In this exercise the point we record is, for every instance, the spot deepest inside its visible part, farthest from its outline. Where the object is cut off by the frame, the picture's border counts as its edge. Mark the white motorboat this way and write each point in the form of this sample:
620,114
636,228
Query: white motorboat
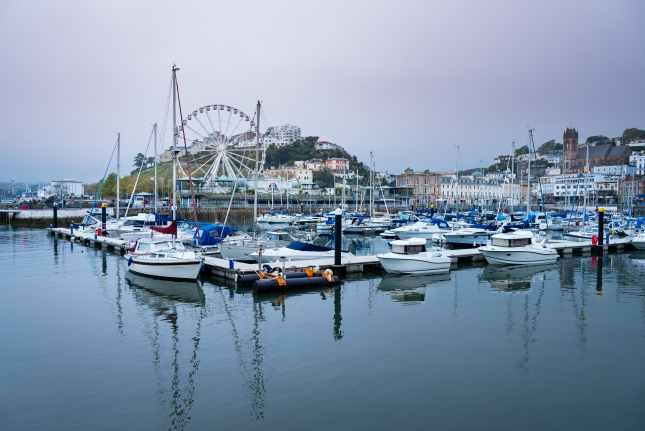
518,248
410,256
296,251
242,247
275,221
184,291
638,241
467,237
164,258
418,230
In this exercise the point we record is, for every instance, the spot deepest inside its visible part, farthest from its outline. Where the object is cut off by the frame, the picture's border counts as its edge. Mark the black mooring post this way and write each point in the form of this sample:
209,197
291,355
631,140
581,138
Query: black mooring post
599,275
338,236
601,226
103,217
598,248
55,214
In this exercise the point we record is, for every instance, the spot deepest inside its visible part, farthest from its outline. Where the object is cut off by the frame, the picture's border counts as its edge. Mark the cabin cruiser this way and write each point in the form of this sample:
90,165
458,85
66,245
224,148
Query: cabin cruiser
164,258
518,248
409,256
467,237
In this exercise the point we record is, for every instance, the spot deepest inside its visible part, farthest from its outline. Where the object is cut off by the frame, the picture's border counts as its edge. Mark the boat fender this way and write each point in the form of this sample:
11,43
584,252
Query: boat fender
309,271
328,275
281,281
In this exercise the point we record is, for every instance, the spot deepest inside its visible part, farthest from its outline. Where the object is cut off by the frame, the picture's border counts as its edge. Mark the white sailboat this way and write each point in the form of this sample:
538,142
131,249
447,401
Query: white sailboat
164,257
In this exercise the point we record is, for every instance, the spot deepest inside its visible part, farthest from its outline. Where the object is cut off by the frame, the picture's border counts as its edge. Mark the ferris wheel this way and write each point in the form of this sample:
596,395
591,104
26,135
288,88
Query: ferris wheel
221,141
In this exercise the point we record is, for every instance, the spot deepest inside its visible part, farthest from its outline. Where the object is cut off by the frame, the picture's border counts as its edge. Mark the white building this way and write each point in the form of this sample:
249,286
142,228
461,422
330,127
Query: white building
327,146
282,135
297,174
615,170
67,188
477,191
637,160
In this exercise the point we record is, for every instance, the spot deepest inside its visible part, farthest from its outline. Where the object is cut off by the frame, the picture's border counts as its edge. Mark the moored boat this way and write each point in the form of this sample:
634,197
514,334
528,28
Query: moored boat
410,256
518,248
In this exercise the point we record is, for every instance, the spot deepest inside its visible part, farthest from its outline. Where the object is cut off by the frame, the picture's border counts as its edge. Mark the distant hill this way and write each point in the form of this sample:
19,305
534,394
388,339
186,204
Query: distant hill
633,134
305,149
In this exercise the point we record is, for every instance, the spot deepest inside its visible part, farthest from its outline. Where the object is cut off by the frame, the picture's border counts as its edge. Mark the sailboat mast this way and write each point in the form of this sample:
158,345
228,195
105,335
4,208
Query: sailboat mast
512,175
371,184
174,142
528,177
154,129
118,174
257,162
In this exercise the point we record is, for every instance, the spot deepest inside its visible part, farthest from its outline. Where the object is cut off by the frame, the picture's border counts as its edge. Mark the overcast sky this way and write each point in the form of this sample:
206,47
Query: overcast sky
409,80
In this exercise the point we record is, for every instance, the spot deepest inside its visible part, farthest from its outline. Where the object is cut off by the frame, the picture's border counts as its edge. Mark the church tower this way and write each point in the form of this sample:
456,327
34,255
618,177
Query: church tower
570,149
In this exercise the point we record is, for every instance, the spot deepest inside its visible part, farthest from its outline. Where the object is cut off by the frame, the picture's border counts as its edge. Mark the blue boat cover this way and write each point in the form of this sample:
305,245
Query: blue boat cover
305,246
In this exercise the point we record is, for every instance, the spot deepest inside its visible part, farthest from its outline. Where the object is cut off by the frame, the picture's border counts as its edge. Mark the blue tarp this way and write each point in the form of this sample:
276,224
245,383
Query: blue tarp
211,234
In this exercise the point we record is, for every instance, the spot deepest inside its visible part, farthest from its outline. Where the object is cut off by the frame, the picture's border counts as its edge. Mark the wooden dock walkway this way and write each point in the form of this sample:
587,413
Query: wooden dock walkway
87,238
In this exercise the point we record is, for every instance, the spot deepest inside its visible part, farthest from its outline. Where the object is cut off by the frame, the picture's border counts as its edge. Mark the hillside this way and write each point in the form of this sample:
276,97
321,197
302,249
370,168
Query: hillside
305,149
300,150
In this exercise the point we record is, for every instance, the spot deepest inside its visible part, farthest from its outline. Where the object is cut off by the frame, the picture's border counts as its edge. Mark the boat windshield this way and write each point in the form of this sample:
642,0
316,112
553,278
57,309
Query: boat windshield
518,242
408,249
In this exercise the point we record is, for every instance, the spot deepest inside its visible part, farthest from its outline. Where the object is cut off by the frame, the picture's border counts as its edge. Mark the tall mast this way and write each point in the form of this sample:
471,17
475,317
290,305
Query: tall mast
174,141
154,129
528,177
512,174
257,162
371,184
356,194
118,174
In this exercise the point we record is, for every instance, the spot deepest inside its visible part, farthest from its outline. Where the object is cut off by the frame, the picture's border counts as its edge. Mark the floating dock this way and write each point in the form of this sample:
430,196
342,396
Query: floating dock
233,270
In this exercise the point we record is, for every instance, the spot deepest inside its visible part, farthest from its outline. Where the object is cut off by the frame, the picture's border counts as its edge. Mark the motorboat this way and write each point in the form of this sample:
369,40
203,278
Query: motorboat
296,251
518,248
275,221
161,257
467,237
241,247
418,230
410,256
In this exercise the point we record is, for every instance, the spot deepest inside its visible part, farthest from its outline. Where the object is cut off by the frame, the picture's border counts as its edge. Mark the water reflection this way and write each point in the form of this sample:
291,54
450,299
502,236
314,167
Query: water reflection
165,298
513,278
409,288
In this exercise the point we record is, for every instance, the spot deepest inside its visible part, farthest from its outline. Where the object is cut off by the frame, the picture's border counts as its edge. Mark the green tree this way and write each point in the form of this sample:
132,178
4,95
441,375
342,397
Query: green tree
633,134
550,147
324,178
522,150
139,160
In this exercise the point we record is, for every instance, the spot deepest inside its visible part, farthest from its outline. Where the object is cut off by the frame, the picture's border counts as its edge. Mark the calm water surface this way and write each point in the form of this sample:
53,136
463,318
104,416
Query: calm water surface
85,345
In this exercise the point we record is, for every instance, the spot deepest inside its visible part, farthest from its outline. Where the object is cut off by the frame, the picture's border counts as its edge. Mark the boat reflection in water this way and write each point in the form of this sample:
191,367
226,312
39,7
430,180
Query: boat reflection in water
174,304
409,288
184,291
512,278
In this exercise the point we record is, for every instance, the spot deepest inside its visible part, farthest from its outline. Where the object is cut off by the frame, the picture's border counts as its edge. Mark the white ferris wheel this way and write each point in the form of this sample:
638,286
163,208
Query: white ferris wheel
221,141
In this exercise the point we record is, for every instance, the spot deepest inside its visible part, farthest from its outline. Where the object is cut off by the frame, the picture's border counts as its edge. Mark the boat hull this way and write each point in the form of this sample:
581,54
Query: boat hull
394,264
639,244
518,257
166,269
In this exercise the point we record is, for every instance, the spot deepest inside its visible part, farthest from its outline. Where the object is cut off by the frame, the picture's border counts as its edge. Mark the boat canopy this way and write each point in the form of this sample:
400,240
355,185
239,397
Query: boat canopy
512,239
409,246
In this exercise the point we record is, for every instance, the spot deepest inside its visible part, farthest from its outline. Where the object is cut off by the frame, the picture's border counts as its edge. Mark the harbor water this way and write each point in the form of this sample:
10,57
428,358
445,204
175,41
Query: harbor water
86,345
